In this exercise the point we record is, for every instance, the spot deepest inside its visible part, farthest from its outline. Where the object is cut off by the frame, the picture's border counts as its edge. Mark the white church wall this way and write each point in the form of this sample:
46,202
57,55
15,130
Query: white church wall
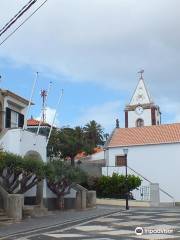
33,143
11,142
158,163
106,155
146,116
31,192
97,156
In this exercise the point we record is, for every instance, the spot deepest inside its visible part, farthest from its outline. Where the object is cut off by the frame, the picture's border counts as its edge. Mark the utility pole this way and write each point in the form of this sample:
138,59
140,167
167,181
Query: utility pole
44,96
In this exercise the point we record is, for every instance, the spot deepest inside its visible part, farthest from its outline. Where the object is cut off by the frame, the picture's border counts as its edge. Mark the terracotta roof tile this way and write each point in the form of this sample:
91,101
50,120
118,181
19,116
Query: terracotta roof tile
167,133
83,154
34,122
98,149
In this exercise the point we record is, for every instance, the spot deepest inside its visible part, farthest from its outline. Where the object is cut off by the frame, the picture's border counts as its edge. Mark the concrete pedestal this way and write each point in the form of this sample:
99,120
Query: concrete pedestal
15,203
81,200
91,199
81,197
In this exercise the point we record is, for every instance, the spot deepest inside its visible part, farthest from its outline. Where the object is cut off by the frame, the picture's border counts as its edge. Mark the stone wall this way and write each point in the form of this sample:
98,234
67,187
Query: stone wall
93,168
3,198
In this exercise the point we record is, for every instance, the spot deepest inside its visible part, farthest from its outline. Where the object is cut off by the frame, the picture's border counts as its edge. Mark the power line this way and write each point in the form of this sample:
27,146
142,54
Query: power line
17,16
22,23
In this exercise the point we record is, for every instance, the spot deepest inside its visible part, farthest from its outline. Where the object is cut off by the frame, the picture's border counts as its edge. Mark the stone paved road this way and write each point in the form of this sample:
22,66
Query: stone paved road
156,224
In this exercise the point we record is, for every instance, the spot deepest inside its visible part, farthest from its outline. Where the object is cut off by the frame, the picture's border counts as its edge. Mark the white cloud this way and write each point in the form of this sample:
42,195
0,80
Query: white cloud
50,113
170,109
104,41
105,114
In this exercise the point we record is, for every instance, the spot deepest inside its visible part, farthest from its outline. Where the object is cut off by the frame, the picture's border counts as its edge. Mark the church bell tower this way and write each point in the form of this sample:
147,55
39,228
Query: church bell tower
141,111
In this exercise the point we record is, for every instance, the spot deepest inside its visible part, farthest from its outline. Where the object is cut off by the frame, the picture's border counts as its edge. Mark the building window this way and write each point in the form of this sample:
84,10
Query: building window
14,119
139,122
120,161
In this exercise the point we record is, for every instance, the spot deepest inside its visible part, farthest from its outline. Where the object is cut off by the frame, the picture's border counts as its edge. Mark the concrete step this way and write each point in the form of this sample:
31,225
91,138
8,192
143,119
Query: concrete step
4,219
2,213
34,211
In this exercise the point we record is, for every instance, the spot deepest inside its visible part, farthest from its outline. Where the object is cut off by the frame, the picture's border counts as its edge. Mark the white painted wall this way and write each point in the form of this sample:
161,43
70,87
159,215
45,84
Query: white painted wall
158,163
97,156
140,90
15,105
11,142
133,116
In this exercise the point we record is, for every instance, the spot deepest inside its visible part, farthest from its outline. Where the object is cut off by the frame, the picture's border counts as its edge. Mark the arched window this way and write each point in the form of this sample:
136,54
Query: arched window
139,122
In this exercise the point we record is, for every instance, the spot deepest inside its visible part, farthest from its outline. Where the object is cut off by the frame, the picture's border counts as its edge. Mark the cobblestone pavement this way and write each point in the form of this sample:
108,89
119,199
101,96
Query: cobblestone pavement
154,223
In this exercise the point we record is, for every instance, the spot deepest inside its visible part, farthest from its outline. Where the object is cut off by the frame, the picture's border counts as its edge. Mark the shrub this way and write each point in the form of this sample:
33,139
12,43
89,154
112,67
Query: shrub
113,187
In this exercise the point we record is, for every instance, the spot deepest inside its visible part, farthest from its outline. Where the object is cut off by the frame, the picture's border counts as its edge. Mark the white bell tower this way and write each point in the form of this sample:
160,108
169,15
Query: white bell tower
141,111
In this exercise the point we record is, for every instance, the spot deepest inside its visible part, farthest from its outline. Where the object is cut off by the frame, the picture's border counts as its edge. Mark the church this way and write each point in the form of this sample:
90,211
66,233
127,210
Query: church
153,148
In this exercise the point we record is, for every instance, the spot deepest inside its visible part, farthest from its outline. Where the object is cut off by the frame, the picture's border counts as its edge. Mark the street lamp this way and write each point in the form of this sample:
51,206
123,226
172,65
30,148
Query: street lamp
125,151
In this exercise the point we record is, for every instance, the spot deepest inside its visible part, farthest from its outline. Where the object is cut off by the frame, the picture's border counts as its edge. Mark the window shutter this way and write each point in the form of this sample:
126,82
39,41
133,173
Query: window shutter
8,117
20,120
120,161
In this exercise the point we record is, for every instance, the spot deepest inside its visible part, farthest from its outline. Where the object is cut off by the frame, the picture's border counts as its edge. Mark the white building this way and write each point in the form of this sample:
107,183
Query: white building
12,136
25,142
153,149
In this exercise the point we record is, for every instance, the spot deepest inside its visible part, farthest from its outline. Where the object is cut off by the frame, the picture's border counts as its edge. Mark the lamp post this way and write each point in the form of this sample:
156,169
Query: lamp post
125,150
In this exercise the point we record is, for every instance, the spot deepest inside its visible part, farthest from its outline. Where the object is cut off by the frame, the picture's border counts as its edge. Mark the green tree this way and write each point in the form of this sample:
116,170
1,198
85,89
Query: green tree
19,174
68,142
61,177
54,145
65,142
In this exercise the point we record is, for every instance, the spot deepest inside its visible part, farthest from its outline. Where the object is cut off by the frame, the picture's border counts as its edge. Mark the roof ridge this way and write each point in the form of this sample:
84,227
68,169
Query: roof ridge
109,139
157,134
153,126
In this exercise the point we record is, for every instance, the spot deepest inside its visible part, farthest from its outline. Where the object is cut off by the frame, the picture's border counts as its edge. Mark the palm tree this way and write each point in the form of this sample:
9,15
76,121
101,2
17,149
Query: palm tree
94,133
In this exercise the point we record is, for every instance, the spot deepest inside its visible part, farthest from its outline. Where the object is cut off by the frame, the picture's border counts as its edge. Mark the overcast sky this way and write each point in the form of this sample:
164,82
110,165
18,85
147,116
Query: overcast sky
94,49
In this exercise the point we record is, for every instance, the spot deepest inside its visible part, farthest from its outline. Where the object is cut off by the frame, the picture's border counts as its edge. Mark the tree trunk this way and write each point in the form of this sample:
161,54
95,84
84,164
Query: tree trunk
60,202
39,193
72,162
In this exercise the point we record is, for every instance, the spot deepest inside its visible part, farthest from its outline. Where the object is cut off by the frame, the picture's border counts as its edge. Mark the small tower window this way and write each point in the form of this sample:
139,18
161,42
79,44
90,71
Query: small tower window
139,122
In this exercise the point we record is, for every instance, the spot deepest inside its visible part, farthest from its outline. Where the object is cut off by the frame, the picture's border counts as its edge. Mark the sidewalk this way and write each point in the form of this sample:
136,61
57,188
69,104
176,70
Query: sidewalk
54,218
122,202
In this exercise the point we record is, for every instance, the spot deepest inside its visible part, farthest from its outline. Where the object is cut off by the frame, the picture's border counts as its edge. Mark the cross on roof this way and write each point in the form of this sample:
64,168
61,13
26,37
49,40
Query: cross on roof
141,73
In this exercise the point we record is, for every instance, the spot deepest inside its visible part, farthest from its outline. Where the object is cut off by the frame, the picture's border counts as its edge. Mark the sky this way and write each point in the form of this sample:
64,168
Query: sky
93,50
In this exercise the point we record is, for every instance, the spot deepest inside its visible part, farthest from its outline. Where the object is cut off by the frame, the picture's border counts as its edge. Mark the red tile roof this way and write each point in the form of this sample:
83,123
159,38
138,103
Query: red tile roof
98,149
34,122
80,155
83,154
167,133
